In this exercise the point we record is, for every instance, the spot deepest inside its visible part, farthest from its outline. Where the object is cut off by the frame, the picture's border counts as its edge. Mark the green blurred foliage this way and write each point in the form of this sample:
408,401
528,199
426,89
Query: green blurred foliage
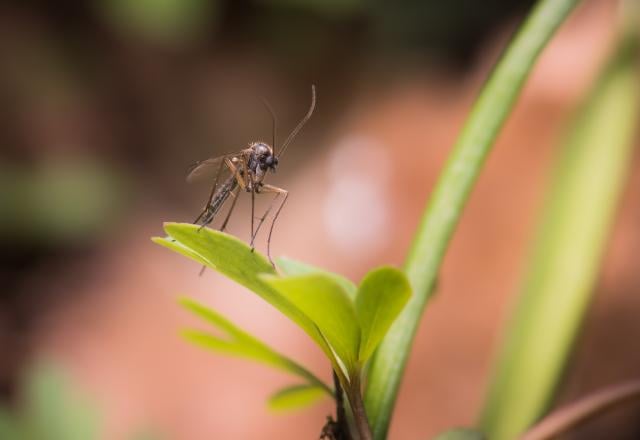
60,203
165,21
52,409
332,8
590,175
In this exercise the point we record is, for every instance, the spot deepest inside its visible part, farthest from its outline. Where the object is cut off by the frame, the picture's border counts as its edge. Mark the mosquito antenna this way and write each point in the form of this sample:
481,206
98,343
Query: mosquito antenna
301,123
274,122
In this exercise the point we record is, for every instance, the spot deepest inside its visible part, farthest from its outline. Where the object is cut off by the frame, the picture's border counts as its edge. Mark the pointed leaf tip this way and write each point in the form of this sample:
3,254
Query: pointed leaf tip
295,397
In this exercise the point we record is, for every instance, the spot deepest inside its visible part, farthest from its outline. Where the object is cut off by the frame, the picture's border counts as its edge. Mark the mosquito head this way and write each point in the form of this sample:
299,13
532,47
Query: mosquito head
263,157
271,163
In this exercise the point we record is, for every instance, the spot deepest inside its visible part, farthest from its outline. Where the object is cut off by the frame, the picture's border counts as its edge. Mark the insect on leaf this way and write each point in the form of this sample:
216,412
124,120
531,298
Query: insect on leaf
381,297
234,259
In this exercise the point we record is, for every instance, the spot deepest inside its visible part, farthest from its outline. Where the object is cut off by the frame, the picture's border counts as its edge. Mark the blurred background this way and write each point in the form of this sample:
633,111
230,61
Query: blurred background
105,104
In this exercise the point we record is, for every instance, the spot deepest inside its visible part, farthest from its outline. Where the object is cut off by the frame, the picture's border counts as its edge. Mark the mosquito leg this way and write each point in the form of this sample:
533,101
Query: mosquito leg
195,222
275,189
206,207
233,205
253,209
251,186
236,172
265,215
273,223
213,191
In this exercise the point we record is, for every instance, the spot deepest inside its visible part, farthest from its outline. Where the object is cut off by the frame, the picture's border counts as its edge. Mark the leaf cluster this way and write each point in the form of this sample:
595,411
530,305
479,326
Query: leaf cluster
346,321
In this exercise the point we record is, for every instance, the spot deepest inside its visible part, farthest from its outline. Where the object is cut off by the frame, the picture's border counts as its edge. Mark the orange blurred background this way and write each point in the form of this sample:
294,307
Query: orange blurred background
106,104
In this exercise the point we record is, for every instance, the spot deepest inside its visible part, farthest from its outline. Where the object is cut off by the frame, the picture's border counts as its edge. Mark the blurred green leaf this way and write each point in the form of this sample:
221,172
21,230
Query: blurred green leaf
333,8
59,202
52,408
55,410
240,343
327,304
292,268
578,216
9,425
450,195
234,259
382,295
295,397
461,434
163,21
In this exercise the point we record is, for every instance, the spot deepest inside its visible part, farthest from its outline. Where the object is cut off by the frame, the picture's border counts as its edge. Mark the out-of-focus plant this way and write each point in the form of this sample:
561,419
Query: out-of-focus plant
164,21
58,203
582,200
349,322
450,195
52,407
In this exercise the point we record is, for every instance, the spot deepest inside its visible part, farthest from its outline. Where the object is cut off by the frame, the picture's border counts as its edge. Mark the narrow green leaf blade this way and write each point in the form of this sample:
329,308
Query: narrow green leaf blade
234,259
461,434
381,297
292,268
445,206
295,397
326,303
241,344
565,264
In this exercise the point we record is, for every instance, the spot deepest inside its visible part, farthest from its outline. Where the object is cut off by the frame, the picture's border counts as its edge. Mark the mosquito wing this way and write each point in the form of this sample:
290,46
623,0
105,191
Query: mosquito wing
208,169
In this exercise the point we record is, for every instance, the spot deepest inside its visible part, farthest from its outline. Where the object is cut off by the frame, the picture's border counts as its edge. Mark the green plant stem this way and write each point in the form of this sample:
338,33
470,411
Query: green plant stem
443,212
565,264
341,414
357,406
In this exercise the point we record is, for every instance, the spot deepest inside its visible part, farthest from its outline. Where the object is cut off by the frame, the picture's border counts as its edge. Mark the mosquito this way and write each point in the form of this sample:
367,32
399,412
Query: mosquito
247,170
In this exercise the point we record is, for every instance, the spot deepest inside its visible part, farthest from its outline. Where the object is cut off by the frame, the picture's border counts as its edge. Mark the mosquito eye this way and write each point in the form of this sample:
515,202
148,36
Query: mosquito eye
269,161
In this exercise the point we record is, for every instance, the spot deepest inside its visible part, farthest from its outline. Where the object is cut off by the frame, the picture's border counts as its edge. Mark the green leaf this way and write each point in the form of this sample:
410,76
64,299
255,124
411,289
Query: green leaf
327,304
382,295
56,410
239,343
9,425
161,21
295,397
489,113
461,434
234,259
582,201
292,268
178,247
